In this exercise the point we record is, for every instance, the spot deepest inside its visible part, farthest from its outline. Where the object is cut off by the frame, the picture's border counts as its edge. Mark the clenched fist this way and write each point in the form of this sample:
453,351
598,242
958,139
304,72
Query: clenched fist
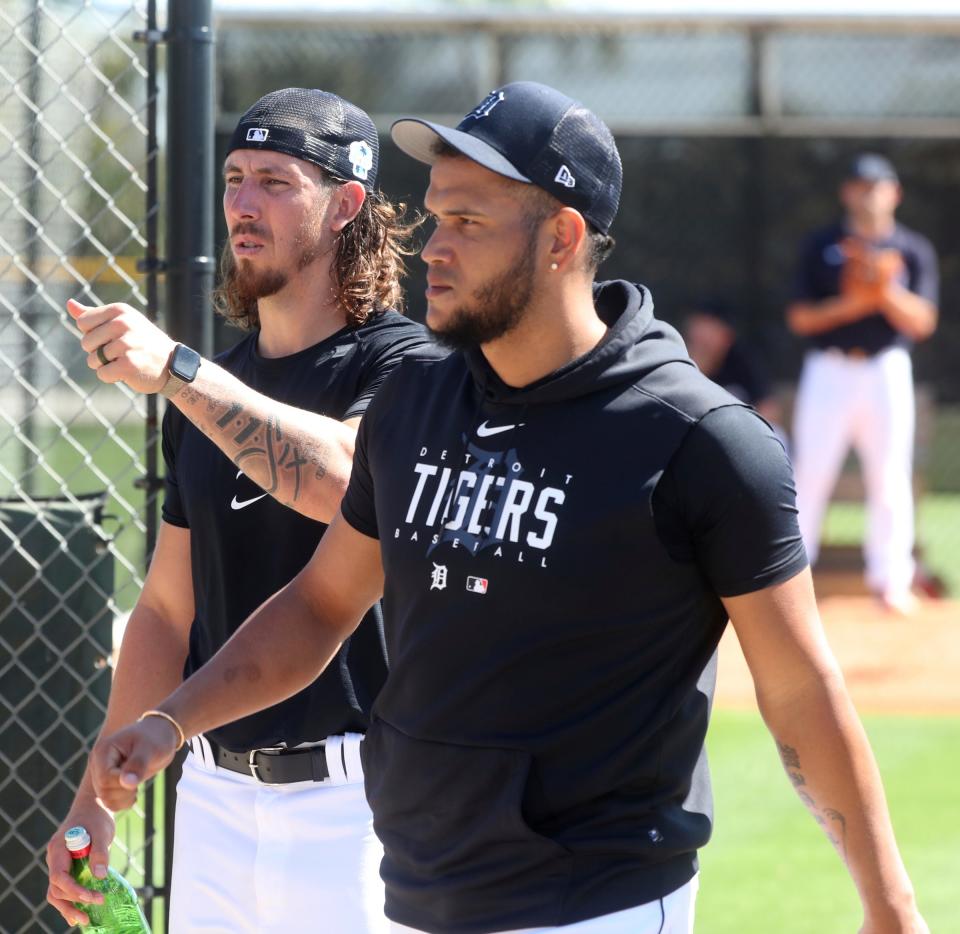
119,763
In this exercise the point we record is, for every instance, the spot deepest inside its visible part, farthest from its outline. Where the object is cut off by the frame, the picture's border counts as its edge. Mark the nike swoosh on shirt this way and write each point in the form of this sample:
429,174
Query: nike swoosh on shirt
484,432
239,504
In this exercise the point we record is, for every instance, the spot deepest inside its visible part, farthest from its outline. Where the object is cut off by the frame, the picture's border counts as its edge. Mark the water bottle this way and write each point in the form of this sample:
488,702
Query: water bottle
120,912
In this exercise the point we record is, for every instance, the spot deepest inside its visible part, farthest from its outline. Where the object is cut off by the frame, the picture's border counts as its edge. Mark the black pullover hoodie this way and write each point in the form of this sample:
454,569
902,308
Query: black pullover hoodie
536,756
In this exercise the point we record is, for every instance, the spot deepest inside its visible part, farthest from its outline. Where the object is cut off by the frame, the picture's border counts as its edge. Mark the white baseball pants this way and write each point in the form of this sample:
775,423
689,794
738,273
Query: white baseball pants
867,403
672,914
264,859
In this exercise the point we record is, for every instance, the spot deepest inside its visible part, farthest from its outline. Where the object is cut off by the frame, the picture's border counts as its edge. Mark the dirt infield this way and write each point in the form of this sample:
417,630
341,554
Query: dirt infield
892,665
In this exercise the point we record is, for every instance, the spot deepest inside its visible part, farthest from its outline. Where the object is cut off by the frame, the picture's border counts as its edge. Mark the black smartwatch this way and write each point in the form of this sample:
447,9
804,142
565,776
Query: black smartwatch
183,366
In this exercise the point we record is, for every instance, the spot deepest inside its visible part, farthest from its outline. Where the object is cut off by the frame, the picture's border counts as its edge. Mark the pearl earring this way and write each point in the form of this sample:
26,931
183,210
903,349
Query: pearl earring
554,267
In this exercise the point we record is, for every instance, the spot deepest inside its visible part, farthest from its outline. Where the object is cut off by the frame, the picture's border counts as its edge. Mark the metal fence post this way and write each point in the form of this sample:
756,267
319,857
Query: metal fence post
190,189
189,262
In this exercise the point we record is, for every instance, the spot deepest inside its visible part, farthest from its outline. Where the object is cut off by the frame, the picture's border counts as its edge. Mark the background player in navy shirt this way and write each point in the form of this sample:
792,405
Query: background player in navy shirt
560,515
258,448
867,289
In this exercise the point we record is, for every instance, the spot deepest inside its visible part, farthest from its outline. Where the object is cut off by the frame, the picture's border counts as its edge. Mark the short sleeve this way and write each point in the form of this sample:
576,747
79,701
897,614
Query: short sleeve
358,506
383,350
172,433
727,501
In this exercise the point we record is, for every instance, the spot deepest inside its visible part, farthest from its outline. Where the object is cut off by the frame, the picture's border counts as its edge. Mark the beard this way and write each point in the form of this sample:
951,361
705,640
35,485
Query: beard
497,308
249,284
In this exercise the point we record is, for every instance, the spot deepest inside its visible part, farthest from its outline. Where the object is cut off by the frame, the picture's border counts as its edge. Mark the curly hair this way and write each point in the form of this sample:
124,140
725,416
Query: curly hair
368,263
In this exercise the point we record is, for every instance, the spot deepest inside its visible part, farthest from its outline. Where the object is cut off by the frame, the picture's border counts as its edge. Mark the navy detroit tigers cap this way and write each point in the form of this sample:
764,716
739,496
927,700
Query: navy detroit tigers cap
316,126
532,133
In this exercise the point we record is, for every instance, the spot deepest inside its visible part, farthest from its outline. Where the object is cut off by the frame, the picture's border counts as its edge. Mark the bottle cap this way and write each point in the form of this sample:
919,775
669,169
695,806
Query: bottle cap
76,838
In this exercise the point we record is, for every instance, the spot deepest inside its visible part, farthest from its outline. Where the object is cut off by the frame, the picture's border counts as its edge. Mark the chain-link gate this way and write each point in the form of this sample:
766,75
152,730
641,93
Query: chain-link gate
77,218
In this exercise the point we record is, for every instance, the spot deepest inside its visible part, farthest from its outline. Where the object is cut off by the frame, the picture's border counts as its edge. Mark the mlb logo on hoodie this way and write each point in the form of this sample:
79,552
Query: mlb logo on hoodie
477,584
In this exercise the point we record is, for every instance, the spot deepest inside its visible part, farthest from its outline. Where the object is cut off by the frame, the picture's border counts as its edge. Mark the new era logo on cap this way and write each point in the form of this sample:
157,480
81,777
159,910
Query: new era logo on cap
257,134
565,178
532,133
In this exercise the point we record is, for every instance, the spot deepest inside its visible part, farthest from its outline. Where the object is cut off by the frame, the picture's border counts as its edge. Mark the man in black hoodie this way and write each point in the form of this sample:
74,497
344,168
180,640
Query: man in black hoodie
561,515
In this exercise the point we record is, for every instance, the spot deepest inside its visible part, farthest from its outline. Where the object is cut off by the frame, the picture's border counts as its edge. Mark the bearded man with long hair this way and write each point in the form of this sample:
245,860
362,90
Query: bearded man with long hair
258,444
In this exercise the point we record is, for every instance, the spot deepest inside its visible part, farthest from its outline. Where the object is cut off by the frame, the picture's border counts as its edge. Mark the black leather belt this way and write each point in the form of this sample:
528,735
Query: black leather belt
275,765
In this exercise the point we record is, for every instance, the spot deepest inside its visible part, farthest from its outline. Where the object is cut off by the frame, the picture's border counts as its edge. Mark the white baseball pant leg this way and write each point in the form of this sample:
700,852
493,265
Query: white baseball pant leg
265,859
883,440
868,403
825,410
672,914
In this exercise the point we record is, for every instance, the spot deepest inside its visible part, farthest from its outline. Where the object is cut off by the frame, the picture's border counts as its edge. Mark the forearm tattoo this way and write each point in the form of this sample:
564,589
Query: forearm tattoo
265,452
834,824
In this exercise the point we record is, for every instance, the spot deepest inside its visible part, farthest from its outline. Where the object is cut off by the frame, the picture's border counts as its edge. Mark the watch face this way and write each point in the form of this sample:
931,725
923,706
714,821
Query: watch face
185,363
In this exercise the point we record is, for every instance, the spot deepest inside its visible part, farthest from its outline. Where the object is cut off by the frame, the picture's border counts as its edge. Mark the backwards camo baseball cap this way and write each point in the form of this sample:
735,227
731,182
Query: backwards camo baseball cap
316,126
532,133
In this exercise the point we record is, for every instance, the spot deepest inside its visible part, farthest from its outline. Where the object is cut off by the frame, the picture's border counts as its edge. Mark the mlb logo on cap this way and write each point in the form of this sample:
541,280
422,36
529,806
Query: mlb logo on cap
257,135
477,584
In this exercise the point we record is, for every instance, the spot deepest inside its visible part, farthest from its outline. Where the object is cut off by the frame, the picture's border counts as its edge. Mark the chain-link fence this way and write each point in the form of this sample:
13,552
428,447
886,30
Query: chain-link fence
76,102
733,135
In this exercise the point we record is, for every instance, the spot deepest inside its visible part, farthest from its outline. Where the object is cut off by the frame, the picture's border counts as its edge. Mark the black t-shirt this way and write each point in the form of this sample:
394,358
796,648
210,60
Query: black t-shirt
554,558
818,278
245,545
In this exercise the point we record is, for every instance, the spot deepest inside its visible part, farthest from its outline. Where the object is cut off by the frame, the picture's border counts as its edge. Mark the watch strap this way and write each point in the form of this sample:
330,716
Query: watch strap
172,386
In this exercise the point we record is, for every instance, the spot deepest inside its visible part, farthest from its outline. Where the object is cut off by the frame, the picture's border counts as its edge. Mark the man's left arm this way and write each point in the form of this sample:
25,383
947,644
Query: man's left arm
300,458
804,702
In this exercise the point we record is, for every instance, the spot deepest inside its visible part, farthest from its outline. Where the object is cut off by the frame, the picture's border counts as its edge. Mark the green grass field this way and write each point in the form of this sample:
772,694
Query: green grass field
769,868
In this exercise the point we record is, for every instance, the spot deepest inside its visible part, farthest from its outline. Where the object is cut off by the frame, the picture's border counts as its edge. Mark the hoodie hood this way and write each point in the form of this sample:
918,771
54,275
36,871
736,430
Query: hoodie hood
635,345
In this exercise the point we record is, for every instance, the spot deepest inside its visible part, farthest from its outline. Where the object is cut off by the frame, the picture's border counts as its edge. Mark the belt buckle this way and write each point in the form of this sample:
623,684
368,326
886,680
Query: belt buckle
255,769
